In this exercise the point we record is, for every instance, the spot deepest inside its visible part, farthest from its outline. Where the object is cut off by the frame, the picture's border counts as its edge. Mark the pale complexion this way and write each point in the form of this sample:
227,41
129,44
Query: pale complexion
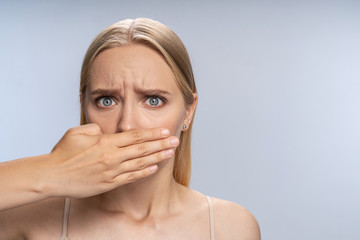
130,88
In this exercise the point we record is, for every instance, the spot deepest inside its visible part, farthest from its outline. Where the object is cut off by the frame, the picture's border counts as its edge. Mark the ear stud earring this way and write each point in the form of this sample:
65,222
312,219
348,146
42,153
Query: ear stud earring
184,127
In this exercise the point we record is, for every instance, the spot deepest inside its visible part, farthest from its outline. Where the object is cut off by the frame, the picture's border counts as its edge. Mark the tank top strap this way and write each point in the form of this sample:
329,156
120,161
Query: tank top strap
211,220
65,219
67,211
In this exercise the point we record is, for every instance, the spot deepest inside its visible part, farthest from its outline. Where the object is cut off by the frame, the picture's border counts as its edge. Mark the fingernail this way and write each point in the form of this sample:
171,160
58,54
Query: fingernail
169,152
153,168
165,132
174,141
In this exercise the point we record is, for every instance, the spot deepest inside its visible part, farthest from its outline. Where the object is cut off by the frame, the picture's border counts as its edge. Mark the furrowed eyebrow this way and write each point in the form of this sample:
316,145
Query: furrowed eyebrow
114,92
106,92
149,92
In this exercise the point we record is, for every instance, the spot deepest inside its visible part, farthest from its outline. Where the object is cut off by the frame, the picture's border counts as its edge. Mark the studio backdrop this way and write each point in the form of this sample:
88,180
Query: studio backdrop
277,128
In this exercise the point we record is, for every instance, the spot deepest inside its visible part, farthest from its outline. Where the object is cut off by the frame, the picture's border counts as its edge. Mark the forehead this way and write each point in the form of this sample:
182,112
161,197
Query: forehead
130,66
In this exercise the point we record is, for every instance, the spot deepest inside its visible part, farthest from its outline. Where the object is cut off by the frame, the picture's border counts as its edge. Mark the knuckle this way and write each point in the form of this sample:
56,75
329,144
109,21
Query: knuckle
106,160
140,163
95,128
131,177
136,136
108,177
71,131
143,147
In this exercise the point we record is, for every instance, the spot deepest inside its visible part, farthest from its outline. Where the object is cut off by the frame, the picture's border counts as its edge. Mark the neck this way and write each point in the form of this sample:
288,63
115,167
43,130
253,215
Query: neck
155,195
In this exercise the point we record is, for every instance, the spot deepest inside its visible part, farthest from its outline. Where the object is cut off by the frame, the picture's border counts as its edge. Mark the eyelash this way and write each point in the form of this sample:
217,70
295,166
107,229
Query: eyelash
164,100
97,100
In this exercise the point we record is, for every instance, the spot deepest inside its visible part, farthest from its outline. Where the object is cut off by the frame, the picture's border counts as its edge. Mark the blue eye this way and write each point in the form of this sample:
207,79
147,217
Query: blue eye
154,101
106,101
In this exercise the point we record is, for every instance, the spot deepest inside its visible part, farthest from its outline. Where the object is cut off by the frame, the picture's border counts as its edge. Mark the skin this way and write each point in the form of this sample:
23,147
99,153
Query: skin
133,88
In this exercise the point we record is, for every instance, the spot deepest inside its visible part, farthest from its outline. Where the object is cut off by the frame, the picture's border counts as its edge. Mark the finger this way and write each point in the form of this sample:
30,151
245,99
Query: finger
135,175
144,149
137,136
91,129
144,162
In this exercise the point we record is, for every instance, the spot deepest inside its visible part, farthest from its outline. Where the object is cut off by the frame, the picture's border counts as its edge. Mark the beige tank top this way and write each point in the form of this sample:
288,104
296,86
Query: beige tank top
67,210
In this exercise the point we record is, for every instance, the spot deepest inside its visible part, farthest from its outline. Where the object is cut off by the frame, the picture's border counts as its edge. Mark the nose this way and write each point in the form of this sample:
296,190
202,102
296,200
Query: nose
128,118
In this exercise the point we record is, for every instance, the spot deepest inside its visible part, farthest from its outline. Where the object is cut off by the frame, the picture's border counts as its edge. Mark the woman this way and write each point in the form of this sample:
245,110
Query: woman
118,176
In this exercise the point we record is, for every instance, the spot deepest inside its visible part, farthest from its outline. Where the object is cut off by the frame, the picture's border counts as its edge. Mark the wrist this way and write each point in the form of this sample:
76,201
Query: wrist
44,184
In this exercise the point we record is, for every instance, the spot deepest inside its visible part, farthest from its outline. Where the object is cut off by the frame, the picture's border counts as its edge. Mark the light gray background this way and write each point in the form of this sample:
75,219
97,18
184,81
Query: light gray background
278,122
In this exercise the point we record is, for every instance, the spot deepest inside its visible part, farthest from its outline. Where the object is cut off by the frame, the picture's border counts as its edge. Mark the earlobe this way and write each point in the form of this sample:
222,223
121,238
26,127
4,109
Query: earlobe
190,111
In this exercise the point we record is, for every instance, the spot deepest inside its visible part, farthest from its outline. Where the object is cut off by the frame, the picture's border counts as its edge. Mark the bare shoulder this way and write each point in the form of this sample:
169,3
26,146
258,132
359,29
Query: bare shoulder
232,221
19,223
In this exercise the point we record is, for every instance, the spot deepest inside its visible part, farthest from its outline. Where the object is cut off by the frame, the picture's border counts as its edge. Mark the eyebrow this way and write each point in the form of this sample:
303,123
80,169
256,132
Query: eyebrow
148,92
106,92
113,92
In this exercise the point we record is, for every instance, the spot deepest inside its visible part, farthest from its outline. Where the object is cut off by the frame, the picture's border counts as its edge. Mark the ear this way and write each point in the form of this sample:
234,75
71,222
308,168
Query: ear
190,111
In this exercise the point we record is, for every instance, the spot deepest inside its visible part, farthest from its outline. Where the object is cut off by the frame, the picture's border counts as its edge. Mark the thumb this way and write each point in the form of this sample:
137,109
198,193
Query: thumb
91,129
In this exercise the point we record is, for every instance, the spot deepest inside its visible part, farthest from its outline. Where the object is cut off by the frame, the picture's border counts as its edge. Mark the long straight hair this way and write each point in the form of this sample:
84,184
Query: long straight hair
160,38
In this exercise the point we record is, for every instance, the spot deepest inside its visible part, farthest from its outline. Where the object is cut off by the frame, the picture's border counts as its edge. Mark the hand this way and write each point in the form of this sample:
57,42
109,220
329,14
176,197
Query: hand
86,162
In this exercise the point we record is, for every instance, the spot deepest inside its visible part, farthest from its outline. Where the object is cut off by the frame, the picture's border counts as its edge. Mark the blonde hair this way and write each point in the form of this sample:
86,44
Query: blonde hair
160,38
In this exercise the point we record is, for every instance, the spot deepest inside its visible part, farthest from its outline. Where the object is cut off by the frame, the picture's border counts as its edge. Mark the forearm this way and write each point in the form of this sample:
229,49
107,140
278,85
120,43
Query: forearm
23,181
85,163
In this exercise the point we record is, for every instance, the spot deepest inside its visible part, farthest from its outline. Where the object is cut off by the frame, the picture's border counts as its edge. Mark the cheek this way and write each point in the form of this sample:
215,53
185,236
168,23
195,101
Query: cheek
174,116
106,121
172,120
170,117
